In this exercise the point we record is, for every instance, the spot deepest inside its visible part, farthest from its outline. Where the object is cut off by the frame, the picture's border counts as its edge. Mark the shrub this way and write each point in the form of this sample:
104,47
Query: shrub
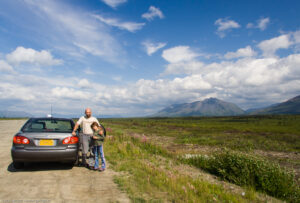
248,170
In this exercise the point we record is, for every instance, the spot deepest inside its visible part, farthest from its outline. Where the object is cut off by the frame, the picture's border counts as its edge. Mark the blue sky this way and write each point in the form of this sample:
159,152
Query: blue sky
134,57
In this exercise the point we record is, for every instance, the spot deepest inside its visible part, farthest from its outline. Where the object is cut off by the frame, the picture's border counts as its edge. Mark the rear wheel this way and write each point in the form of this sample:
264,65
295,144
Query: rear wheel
18,165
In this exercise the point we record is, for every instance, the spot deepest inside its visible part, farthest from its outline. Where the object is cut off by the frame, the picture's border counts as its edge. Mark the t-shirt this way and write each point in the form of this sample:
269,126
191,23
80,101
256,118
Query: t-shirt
86,124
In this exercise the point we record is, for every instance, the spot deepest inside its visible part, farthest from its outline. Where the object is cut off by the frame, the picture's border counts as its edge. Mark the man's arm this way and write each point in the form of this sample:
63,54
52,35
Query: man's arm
75,128
78,123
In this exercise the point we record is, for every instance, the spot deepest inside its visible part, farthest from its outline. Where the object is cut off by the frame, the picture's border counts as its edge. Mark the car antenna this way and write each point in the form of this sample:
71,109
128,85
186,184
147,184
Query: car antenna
50,115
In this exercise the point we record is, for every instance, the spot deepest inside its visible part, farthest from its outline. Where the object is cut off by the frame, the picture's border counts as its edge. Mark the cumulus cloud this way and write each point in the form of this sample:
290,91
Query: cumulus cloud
243,81
247,81
15,91
269,47
84,83
152,47
261,24
31,56
114,3
179,54
224,25
129,26
117,78
152,13
296,36
186,67
70,93
242,52
5,67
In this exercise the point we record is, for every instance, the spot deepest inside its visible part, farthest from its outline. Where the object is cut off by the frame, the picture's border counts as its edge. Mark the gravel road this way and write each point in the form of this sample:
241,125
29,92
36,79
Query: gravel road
51,182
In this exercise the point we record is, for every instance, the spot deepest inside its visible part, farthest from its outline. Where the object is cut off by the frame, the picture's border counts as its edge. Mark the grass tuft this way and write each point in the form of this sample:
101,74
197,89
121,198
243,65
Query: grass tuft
248,170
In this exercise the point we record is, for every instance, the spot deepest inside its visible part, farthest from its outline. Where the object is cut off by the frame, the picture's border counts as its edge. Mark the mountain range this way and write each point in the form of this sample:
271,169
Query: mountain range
22,114
207,107
216,107
291,106
14,114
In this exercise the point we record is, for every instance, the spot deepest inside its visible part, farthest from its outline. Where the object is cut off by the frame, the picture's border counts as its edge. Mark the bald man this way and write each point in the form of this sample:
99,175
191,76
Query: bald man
86,122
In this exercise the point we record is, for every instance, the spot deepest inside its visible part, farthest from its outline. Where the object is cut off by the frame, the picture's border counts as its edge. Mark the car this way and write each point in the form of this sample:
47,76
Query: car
45,139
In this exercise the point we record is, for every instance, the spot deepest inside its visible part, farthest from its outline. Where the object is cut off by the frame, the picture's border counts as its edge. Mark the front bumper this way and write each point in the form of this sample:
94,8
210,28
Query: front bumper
25,155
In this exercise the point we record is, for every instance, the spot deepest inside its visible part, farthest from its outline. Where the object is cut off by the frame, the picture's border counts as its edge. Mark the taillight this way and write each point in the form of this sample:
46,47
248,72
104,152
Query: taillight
70,140
19,139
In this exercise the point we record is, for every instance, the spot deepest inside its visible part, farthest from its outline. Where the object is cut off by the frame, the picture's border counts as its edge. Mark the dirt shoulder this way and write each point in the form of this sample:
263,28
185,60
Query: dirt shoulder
51,182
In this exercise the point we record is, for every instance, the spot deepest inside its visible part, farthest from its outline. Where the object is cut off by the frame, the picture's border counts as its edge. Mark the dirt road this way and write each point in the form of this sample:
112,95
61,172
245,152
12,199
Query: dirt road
51,182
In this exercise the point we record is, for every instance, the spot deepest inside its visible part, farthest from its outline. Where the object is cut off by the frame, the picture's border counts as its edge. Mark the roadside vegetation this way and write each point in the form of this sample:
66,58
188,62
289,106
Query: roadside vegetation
163,159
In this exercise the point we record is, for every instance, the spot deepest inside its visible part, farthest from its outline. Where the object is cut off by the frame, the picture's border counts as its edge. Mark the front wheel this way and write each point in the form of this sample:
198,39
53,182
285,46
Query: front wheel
18,165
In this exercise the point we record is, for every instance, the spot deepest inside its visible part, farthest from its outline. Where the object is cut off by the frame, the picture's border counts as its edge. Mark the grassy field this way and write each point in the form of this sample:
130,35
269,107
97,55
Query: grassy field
212,159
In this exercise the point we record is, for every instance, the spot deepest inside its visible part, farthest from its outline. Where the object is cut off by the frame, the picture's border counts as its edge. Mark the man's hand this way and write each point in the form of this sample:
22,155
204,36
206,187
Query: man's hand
74,130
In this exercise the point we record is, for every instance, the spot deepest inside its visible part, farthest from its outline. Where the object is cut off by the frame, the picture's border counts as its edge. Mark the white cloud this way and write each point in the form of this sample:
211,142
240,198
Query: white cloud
77,29
179,54
269,47
224,25
70,93
31,56
189,67
296,36
5,67
88,71
247,81
261,24
152,47
114,3
260,81
15,91
250,25
242,52
152,13
84,83
117,78
129,26
296,40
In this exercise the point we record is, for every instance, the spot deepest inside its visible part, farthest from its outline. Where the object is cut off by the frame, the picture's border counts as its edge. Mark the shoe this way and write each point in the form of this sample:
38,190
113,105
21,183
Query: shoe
90,167
101,169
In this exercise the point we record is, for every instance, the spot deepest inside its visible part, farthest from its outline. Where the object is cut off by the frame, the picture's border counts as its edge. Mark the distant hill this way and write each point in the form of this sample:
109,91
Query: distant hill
207,107
249,111
14,114
291,106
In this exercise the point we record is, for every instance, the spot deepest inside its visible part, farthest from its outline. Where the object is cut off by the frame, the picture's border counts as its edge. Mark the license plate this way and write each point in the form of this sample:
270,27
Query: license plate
46,142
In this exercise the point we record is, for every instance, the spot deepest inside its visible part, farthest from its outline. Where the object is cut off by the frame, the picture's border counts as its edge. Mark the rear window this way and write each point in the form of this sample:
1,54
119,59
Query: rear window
48,125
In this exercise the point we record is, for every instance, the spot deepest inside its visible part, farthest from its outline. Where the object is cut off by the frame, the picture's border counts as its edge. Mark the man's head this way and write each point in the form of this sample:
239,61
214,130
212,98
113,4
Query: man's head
88,112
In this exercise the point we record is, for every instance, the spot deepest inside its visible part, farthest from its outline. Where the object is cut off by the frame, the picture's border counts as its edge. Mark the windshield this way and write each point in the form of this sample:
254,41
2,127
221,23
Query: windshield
48,125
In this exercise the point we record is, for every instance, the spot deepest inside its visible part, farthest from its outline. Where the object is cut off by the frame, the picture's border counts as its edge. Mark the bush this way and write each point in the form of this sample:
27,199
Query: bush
247,170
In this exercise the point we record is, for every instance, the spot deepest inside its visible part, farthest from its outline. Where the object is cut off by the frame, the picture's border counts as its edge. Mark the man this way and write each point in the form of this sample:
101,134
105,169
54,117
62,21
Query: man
86,122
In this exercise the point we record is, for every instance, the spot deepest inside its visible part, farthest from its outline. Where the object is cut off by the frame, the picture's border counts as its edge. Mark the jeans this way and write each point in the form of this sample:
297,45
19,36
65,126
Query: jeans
99,150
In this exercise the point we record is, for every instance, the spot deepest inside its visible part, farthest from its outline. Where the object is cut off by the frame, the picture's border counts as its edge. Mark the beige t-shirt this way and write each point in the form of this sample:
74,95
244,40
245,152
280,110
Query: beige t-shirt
86,124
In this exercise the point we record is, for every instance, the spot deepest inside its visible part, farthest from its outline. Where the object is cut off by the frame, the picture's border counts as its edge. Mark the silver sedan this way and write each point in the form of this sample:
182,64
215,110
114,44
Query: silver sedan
45,139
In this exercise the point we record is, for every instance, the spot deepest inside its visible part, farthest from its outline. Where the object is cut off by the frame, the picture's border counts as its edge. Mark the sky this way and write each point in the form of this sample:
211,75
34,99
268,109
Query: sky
135,57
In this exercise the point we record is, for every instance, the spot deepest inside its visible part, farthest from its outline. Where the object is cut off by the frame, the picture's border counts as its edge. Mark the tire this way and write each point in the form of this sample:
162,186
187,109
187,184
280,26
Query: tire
76,163
18,165
71,164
